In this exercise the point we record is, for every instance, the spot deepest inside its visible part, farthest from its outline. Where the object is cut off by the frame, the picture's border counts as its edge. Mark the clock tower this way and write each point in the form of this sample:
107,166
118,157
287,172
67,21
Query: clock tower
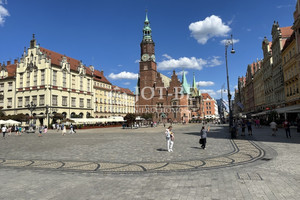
148,68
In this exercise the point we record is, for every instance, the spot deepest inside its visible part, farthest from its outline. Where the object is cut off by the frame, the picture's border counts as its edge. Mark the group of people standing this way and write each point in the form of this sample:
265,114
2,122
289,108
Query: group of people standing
286,126
63,128
17,129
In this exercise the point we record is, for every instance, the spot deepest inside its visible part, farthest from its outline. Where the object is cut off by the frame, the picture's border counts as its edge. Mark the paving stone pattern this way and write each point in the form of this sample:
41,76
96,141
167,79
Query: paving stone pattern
276,175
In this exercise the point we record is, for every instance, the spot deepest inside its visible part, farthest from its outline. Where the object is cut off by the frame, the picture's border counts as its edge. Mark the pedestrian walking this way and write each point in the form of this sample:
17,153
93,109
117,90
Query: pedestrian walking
243,128
169,138
40,130
249,126
4,129
58,127
45,129
273,126
63,129
203,136
71,129
20,130
286,126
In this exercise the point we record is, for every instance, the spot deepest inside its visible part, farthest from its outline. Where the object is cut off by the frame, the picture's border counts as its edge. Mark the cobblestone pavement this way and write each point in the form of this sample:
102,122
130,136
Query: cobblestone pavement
275,174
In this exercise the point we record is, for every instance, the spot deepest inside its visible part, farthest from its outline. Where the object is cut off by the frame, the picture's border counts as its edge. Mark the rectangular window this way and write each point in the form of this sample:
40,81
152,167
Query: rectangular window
100,108
81,83
9,102
64,79
88,102
1,87
42,100
73,102
21,80
28,79
35,77
64,101
73,81
27,100
81,103
42,77
54,100
10,86
20,102
96,108
34,99
88,85
54,77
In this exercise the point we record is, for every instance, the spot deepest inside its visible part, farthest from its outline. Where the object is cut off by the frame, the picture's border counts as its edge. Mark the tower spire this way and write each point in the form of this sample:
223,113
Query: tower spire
194,81
185,85
147,32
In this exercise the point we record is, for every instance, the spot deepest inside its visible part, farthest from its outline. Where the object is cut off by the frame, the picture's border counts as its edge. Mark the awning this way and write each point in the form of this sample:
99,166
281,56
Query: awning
289,109
259,114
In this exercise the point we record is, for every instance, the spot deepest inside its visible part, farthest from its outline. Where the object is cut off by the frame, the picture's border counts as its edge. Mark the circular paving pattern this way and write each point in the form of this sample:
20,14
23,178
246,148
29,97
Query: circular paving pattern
245,151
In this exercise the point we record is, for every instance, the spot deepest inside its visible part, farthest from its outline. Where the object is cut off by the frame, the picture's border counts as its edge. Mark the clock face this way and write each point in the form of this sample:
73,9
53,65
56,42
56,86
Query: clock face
153,57
145,57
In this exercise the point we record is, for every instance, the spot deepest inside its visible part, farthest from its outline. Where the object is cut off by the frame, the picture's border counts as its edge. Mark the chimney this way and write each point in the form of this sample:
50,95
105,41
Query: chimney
15,61
8,62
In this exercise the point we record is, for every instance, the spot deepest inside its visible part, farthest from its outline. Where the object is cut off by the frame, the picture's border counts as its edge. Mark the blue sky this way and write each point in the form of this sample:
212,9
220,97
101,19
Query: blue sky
107,34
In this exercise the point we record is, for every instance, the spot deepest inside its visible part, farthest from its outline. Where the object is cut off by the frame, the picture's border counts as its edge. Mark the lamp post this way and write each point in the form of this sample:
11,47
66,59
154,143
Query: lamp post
31,106
227,43
47,114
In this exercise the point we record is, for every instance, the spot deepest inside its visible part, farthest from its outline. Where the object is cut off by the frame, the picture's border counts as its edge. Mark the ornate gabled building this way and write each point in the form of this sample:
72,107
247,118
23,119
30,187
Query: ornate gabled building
267,64
8,85
168,99
58,84
53,82
279,37
258,87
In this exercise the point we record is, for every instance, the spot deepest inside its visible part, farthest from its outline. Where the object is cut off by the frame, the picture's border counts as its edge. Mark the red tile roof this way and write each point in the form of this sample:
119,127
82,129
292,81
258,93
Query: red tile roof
56,58
206,96
286,31
99,76
122,90
288,41
11,70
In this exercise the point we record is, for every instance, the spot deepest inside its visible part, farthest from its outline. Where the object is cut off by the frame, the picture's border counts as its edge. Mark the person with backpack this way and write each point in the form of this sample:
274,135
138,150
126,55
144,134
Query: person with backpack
286,126
203,136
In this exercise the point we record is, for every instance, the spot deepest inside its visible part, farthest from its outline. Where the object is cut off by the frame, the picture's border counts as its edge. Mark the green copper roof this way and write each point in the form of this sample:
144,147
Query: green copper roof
146,20
147,32
185,85
194,81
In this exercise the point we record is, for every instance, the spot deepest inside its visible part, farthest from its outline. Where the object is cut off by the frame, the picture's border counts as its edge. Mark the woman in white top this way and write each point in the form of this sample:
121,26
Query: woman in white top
273,126
169,138
203,135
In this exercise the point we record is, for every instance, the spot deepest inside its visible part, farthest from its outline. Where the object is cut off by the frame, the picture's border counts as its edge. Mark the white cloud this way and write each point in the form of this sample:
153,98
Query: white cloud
167,56
229,41
214,61
123,75
126,83
210,27
249,29
3,14
188,63
205,83
120,65
136,61
181,73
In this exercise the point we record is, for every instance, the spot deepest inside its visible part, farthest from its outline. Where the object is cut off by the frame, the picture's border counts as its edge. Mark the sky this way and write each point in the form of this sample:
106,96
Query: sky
189,35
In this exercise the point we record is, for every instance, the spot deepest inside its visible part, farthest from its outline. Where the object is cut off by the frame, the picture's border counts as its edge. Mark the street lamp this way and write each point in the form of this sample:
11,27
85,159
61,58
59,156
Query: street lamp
31,106
227,43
